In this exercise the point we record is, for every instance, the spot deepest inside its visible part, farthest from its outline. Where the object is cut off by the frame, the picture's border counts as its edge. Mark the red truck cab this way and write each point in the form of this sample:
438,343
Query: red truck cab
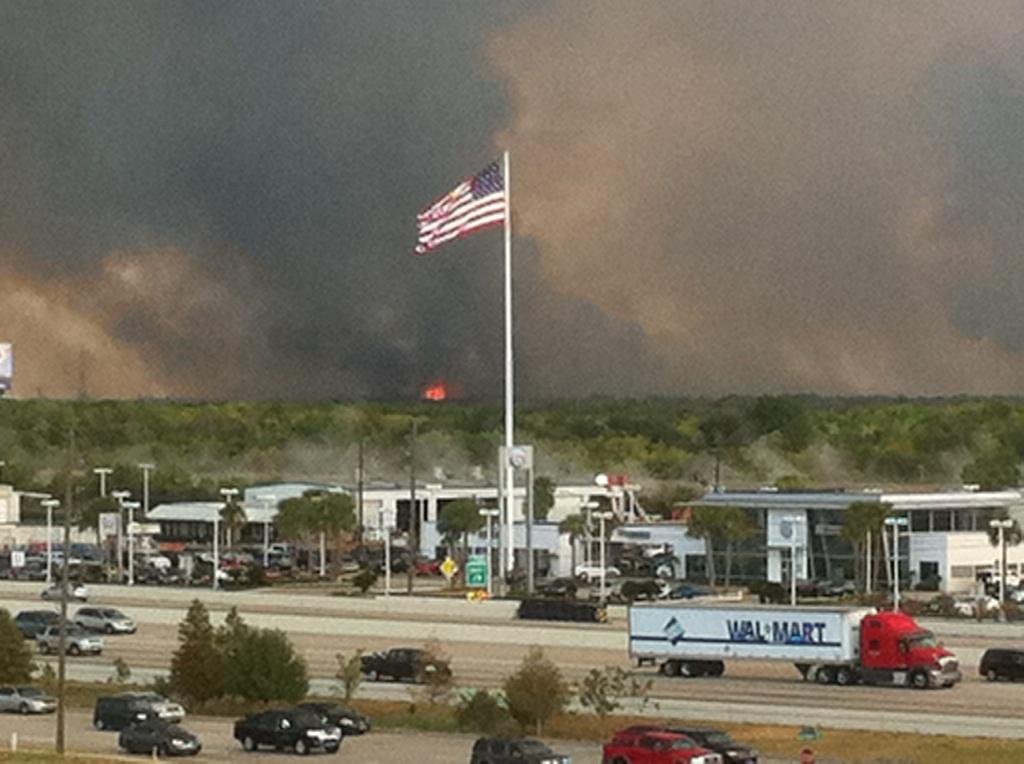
894,649
642,746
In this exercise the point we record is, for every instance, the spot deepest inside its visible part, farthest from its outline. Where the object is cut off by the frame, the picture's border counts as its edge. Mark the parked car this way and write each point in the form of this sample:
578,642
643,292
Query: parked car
684,592
33,622
428,567
294,729
26,700
76,592
720,742
998,663
490,750
974,607
558,587
641,745
592,572
348,721
403,664
105,619
115,712
77,641
159,737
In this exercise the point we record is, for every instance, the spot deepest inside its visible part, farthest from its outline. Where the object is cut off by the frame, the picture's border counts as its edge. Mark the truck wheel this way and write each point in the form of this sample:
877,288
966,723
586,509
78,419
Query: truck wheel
372,675
824,675
919,680
991,675
687,669
74,650
301,747
671,668
717,668
844,676
248,743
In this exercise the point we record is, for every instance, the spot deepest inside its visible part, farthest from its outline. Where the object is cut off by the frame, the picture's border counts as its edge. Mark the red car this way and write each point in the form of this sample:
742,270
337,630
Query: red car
428,568
641,746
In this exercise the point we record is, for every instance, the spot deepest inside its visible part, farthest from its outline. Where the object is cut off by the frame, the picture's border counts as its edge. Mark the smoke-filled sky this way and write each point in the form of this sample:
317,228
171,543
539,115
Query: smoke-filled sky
217,199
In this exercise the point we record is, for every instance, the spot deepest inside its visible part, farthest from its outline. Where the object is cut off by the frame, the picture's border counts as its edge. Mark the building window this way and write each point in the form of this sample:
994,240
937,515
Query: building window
942,520
961,571
919,521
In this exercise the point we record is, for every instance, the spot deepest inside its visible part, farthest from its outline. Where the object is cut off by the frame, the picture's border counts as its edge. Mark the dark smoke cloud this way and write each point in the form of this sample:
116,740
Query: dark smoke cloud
214,199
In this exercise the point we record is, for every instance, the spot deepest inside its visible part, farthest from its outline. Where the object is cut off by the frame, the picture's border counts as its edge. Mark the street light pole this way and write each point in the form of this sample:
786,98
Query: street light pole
896,523
145,486
102,472
120,496
602,516
1002,526
131,506
50,505
490,514
385,530
229,494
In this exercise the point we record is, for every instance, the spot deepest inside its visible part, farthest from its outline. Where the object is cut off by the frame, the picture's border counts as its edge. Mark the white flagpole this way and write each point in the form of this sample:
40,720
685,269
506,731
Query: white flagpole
509,378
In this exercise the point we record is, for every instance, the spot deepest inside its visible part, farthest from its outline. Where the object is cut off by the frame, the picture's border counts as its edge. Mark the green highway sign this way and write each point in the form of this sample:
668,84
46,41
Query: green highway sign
476,570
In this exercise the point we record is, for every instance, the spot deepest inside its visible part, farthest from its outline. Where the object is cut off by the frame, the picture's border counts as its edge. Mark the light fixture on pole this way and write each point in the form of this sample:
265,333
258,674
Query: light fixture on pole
267,502
131,506
603,516
896,523
489,514
50,505
1002,525
102,472
789,528
120,496
383,522
146,469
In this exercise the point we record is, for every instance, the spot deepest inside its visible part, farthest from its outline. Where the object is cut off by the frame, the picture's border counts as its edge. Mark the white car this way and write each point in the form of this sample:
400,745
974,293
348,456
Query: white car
26,700
590,572
75,592
105,619
970,606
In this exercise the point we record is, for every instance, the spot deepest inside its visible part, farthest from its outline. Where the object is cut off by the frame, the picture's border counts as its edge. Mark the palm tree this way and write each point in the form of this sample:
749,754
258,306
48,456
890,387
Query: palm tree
738,526
295,522
1012,536
458,519
710,524
862,521
332,515
232,518
576,526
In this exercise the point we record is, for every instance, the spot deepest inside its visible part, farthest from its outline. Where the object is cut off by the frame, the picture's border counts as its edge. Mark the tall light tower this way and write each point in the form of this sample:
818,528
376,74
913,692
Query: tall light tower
229,495
1002,525
896,523
146,469
102,472
603,516
50,504
131,506
120,496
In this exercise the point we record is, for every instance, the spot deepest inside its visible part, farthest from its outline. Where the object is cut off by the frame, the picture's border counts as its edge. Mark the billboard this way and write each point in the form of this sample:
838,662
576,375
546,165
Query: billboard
6,366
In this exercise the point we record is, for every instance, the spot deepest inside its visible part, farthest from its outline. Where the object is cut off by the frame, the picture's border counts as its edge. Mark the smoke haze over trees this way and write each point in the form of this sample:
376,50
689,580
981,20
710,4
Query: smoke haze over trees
216,200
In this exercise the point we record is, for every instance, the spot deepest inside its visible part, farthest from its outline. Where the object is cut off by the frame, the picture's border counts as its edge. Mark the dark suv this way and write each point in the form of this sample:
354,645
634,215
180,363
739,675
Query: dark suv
489,750
33,622
1002,664
288,729
115,712
403,664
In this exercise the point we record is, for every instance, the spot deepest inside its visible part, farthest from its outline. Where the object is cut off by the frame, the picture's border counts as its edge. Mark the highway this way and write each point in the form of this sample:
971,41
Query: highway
485,644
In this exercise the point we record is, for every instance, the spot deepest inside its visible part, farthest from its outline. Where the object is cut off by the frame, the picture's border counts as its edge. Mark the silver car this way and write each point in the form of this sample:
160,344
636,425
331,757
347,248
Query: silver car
26,700
105,619
78,641
75,592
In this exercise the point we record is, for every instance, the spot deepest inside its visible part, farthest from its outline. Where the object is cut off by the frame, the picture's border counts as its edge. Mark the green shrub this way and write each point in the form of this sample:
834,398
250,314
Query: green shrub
481,712
536,692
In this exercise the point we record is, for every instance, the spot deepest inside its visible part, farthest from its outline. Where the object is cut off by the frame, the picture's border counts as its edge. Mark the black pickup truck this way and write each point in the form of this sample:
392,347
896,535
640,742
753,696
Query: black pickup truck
403,664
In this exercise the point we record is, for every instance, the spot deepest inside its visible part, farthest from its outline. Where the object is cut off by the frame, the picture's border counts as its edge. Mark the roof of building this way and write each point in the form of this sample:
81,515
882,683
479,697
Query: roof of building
841,499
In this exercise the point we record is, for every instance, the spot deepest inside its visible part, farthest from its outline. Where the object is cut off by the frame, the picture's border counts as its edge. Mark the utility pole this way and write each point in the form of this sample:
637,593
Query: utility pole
414,514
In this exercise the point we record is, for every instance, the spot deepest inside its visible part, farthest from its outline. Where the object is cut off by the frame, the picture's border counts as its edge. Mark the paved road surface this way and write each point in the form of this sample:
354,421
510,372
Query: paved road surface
486,645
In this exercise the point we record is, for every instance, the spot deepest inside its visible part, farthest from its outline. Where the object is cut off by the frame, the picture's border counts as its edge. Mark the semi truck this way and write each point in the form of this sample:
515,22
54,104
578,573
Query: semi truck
828,645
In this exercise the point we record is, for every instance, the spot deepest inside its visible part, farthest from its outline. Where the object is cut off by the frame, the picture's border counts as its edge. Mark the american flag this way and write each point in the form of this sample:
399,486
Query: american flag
475,203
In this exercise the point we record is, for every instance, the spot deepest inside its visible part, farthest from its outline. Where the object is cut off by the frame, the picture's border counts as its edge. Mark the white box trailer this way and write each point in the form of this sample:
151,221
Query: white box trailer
718,632
826,644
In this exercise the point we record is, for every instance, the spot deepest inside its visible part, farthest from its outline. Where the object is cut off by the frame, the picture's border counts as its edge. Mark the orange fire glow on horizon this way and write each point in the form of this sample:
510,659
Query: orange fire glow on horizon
436,392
